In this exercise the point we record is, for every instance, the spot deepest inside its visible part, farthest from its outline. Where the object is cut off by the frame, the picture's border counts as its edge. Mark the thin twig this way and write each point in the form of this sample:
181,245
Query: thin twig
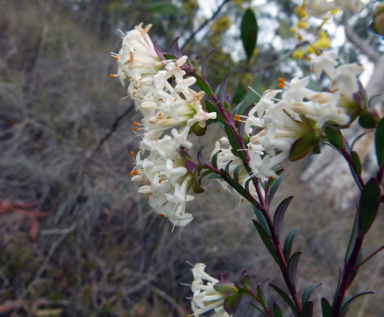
192,36
113,128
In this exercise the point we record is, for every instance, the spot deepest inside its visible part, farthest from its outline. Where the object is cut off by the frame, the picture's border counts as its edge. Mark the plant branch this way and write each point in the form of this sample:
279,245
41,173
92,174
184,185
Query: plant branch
371,256
192,36
349,268
263,205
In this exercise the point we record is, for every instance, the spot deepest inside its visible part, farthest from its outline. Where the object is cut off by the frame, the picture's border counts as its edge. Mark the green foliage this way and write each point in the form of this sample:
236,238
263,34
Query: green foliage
249,31
379,143
368,205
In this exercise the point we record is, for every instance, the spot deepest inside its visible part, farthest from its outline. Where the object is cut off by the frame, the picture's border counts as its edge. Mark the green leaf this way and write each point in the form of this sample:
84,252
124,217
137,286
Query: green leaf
286,298
214,159
276,310
352,238
249,31
204,174
302,146
267,241
356,162
292,267
236,172
307,293
334,137
165,8
214,176
233,142
236,186
275,185
239,94
202,84
326,308
345,307
369,205
367,120
262,220
307,309
260,295
259,310
379,143
289,241
279,215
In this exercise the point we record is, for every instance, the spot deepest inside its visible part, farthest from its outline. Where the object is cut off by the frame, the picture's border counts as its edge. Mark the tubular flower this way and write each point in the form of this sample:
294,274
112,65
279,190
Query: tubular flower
162,94
205,297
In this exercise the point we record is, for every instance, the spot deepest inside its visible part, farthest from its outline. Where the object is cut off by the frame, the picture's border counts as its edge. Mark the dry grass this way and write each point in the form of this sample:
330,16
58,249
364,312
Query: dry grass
99,252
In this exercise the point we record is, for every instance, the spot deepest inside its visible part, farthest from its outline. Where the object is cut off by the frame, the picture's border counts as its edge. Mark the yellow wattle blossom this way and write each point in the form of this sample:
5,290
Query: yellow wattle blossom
311,50
302,25
221,25
298,54
301,11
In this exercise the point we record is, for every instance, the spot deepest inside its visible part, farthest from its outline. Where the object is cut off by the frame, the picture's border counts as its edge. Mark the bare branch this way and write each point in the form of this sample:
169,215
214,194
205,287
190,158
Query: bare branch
363,45
192,36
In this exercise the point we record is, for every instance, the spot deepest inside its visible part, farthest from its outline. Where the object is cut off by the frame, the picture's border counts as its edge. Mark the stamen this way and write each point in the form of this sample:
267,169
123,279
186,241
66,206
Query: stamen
132,154
218,191
135,172
130,173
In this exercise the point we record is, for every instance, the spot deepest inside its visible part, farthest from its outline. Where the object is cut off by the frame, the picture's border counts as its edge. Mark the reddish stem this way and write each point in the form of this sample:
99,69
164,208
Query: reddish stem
263,205
349,268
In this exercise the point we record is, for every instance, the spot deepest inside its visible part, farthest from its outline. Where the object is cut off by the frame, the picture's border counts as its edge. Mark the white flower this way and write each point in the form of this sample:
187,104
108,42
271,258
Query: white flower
205,297
326,63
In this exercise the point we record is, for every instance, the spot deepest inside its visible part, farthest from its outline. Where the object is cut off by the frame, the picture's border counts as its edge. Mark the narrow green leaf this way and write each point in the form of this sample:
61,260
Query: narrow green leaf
262,220
334,137
267,241
285,297
236,172
369,205
260,295
352,238
379,143
326,308
276,310
337,287
236,186
196,187
207,172
202,84
259,310
232,140
227,166
223,86
275,185
307,293
204,65
289,241
214,176
356,162
307,309
345,307
249,31
214,159
279,215
292,267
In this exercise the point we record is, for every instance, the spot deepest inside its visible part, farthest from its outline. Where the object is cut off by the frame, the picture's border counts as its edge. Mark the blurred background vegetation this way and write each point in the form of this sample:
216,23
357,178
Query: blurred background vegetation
75,237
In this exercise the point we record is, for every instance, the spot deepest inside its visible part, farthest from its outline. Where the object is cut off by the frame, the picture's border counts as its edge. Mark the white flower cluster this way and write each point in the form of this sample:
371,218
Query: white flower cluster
274,125
205,297
162,94
321,8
